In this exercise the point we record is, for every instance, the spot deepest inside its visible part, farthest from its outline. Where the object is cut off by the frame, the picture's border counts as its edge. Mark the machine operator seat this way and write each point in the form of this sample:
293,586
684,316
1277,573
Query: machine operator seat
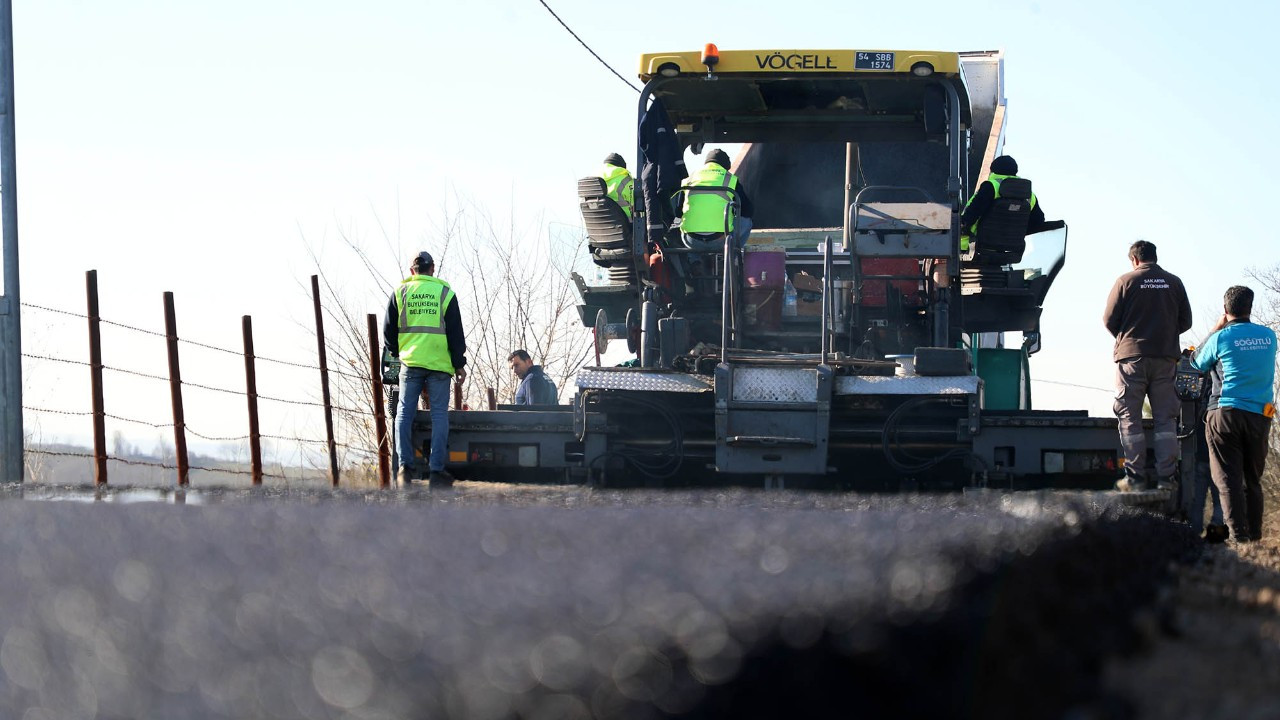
608,228
705,249
710,242
1002,231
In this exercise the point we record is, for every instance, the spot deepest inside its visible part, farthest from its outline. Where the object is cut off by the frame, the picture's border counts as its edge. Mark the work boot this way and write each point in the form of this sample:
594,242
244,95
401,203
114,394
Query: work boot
404,475
1239,544
1131,484
1215,534
1168,482
440,479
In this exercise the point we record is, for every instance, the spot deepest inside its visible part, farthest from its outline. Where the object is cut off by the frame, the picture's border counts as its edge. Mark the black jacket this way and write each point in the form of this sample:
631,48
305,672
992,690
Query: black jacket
981,203
661,168
452,330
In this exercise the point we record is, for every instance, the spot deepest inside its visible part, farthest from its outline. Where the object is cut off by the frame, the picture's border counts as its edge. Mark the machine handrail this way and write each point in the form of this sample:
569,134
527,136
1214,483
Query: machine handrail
827,298
852,221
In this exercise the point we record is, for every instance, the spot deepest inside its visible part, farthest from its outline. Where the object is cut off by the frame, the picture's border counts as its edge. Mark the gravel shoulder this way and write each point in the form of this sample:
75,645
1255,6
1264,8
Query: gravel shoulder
1214,650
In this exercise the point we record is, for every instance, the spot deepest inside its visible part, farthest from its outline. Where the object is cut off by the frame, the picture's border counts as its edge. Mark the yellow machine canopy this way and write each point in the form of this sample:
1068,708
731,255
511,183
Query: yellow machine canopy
808,95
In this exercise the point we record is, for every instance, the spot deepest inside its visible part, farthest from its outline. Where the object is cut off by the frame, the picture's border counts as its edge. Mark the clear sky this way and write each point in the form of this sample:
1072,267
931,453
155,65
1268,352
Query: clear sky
200,147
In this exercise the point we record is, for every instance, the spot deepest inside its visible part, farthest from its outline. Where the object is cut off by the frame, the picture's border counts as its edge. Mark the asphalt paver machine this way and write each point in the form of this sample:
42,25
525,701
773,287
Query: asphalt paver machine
852,342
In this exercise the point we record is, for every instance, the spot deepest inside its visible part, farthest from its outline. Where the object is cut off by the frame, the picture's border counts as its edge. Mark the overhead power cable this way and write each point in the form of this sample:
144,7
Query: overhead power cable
588,47
1074,385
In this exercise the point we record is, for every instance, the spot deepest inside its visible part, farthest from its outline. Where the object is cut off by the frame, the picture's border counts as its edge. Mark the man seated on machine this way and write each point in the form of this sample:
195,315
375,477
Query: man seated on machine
714,204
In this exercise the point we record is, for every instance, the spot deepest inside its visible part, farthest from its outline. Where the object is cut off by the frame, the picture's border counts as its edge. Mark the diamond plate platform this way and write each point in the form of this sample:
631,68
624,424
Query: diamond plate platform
917,385
775,385
642,380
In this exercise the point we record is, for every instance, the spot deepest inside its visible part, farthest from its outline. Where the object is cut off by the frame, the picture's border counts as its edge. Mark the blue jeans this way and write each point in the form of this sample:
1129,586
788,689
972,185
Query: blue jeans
741,230
412,380
1204,486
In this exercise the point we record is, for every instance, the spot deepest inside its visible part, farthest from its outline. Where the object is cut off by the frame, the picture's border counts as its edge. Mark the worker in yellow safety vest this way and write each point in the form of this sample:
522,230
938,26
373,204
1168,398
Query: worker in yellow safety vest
714,203
1002,168
618,183
423,327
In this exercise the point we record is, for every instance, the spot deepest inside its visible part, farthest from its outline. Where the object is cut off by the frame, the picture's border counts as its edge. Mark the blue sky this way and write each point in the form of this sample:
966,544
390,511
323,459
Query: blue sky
192,146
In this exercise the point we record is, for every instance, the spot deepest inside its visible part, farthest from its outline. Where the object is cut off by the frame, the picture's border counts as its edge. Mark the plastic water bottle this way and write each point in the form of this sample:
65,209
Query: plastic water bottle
788,298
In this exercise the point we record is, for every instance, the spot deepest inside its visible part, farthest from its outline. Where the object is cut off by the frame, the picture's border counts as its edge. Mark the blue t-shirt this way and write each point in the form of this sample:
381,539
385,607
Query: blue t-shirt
1242,358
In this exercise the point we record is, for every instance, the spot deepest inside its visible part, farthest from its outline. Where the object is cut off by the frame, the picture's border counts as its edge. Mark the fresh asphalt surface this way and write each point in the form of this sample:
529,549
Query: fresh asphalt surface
563,602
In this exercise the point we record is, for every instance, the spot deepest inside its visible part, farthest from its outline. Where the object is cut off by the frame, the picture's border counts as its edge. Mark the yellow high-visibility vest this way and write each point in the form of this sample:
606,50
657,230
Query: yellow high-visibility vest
995,181
619,186
705,212
421,301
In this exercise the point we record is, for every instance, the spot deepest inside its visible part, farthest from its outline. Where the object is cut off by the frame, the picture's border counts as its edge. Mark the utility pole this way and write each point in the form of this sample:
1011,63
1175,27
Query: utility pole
11,435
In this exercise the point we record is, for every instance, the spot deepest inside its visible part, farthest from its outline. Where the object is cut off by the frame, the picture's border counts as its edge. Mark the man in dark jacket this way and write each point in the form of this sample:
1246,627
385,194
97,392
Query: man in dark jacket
661,169
535,387
1146,312
1002,168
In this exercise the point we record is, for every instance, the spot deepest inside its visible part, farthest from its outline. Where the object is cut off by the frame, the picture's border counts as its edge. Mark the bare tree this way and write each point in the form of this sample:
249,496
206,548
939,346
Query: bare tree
518,294
120,446
37,463
513,284
1266,309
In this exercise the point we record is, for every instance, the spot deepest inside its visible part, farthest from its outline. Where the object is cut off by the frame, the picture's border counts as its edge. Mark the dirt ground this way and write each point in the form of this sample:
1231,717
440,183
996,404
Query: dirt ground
1214,649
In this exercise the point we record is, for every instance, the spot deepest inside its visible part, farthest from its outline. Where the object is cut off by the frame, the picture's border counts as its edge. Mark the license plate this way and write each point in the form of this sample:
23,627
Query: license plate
873,61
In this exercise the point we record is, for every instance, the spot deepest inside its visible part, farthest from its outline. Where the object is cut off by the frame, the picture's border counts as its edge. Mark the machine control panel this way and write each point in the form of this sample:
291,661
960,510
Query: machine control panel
1188,382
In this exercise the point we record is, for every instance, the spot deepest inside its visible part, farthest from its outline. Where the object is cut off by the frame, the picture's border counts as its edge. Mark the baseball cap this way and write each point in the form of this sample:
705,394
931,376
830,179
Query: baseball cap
422,260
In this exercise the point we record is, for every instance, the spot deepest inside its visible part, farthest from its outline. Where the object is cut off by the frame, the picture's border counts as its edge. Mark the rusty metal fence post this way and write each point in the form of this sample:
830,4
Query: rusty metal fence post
379,419
251,392
95,381
324,380
175,391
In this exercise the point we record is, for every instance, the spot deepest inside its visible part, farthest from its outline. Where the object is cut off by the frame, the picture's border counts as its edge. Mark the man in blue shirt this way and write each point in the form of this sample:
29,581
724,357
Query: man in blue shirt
535,387
1242,358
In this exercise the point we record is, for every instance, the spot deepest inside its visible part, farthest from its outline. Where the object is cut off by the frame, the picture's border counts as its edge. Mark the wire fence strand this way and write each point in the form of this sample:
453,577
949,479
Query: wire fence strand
158,464
196,343
363,452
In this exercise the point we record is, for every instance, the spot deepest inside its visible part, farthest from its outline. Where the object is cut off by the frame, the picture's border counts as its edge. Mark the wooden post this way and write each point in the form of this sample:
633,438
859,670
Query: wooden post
175,390
493,398
251,392
379,419
95,381
324,380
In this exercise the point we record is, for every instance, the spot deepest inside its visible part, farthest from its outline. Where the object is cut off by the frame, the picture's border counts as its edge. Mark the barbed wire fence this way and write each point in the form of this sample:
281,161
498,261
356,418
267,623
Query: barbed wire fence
360,450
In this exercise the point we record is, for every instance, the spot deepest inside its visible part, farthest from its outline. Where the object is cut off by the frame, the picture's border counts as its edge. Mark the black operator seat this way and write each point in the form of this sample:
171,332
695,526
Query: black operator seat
608,229
1002,230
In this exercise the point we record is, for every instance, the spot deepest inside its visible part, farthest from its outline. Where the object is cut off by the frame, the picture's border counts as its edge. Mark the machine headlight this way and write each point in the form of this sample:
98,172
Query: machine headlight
922,69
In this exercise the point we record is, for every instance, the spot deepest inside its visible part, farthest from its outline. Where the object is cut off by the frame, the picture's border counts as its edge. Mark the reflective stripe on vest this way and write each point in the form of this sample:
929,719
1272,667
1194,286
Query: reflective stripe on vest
704,211
619,187
421,301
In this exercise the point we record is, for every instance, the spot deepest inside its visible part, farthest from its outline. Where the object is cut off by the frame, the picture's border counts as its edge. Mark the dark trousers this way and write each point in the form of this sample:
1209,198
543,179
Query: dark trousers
1237,457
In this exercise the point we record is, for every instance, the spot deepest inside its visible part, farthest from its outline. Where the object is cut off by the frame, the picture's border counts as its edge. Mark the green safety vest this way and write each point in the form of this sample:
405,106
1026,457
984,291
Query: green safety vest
619,187
704,212
421,301
995,181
